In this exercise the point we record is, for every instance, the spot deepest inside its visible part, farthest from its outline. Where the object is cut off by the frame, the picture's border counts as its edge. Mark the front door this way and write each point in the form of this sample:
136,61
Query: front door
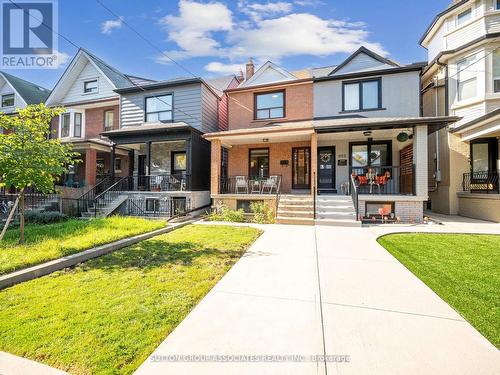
326,168
301,168
141,169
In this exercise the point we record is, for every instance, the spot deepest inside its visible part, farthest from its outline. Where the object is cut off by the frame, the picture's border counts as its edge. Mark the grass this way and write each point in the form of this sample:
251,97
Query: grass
461,268
52,241
107,315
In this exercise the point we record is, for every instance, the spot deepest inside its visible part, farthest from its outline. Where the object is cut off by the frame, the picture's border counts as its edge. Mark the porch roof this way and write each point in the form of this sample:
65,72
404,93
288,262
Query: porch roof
157,131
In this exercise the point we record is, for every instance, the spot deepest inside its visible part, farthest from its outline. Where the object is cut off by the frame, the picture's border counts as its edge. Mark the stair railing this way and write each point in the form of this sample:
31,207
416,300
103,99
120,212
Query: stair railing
110,194
354,195
88,197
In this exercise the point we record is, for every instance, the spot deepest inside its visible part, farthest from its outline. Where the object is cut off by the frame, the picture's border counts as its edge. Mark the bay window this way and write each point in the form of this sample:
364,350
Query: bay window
496,71
464,16
466,78
362,95
159,108
71,124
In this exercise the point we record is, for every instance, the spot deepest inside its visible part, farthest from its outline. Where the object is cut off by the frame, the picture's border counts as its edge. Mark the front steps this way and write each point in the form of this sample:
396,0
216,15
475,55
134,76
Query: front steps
336,210
104,210
295,209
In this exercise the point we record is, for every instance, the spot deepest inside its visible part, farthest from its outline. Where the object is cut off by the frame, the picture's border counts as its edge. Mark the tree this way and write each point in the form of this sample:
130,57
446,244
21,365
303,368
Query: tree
28,156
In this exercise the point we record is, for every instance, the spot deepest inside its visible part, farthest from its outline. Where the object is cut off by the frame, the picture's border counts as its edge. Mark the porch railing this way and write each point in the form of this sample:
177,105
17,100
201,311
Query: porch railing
390,180
246,185
354,194
481,182
165,182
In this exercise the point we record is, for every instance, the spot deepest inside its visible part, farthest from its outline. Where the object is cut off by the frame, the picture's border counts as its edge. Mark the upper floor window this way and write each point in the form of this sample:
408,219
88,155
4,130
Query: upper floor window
362,95
497,4
496,71
90,86
464,16
109,117
8,100
466,78
78,125
65,124
270,105
159,108
71,124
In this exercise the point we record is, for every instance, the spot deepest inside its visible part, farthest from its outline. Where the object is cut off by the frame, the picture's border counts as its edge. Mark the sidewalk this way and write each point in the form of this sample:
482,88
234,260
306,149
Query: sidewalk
373,309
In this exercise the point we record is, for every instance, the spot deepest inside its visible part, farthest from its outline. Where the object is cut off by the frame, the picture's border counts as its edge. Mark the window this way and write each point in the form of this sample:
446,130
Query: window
483,155
496,71
497,4
78,125
118,165
178,162
378,209
245,205
152,204
90,87
259,163
466,78
362,95
159,108
65,124
464,17
370,154
109,117
270,105
8,100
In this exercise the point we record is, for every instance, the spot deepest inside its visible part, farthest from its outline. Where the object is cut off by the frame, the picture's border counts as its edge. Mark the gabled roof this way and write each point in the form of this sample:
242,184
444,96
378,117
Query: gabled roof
269,66
29,92
366,51
118,79
220,84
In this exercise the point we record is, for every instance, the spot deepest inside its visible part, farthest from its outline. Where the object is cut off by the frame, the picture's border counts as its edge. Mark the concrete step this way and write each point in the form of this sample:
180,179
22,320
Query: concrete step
296,207
303,214
336,214
338,222
294,220
334,208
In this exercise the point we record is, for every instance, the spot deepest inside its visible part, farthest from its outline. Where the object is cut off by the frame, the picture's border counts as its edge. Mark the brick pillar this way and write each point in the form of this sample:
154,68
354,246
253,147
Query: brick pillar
90,166
314,161
420,161
215,165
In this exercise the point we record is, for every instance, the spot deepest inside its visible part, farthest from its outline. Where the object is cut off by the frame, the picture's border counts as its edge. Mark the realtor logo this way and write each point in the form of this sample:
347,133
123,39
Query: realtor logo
28,34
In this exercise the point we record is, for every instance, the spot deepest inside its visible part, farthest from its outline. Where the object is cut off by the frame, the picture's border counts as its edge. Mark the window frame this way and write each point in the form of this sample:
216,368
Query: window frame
392,203
104,120
268,161
72,116
497,5
158,112
172,164
80,115
360,82
85,92
13,100
61,122
475,78
457,19
370,142
255,109
118,165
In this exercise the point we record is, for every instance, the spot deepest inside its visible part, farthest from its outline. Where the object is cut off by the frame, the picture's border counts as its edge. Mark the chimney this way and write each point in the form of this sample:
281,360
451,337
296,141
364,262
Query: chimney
250,69
240,77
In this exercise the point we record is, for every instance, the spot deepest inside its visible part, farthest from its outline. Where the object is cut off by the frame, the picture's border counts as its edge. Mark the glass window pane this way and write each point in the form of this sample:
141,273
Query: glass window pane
467,89
370,94
78,125
8,100
109,119
263,114
165,116
180,161
464,16
152,117
259,163
90,86
379,155
351,97
160,159
480,161
359,157
276,112
65,124
271,100
466,78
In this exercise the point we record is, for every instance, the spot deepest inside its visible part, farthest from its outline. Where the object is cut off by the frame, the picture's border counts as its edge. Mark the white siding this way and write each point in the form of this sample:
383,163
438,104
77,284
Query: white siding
400,97
465,34
437,43
362,62
493,23
469,113
75,91
186,103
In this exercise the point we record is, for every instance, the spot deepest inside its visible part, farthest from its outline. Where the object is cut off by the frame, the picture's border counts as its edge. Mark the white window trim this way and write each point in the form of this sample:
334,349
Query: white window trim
89,80
72,124
472,17
476,78
7,94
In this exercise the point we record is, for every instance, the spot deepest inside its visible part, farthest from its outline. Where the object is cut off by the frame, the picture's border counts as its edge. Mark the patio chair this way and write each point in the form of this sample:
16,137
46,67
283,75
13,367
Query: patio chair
270,184
241,183
381,182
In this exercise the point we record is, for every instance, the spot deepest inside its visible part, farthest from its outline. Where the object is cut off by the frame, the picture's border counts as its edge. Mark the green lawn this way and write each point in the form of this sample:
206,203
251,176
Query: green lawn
52,241
463,269
108,314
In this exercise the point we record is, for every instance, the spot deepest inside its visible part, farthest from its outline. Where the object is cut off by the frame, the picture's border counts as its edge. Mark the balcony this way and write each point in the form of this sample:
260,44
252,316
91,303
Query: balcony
485,182
250,185
388,180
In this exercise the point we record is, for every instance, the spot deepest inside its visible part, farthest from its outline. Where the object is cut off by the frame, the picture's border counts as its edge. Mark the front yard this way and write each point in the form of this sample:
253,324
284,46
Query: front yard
108,314
48,242
463,269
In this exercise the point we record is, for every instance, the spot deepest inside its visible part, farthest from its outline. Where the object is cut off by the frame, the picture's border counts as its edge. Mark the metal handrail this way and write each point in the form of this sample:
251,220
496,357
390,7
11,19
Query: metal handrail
481,182
354,195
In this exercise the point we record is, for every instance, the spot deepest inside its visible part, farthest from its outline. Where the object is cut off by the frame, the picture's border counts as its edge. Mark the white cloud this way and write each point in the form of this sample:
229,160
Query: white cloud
265,31
61,58
218,67
108,26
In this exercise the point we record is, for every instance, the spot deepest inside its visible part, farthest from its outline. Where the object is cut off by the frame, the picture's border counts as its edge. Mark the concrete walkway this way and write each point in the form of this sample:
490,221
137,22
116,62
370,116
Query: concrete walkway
13,365
362,303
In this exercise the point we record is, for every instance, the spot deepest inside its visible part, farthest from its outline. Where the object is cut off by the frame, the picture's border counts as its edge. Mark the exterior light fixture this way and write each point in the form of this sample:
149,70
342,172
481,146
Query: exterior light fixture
265,140
367,133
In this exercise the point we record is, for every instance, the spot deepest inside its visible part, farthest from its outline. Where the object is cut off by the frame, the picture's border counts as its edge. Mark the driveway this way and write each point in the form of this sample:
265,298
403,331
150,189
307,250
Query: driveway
304,291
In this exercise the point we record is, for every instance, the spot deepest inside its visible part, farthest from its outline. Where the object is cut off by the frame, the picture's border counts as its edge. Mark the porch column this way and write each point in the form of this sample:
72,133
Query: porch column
420,161
112,160
189,164
215,165
90,166
314,162
148,158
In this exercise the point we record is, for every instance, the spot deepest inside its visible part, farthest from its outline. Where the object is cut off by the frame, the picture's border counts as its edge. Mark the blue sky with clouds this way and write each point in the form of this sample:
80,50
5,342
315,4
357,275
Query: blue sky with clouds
216,37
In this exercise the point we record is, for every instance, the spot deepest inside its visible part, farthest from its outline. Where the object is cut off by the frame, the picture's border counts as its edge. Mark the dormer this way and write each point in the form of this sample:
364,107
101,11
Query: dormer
18,93
363,60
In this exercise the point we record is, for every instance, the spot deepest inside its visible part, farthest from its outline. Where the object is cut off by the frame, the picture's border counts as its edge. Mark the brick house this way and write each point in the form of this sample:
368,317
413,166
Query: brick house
328,145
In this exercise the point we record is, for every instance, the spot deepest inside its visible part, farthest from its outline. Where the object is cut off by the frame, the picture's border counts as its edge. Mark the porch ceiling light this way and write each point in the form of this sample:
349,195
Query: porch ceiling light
265,140
367,133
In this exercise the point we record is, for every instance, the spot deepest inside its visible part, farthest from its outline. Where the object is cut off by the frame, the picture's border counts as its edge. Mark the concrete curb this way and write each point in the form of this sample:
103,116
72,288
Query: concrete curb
70,260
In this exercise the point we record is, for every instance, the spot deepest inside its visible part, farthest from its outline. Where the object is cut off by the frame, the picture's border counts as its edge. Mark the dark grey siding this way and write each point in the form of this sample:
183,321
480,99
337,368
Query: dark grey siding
210,116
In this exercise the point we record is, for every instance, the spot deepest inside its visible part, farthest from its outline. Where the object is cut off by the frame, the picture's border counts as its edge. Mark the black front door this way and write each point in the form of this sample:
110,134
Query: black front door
301,168
326,168
141,169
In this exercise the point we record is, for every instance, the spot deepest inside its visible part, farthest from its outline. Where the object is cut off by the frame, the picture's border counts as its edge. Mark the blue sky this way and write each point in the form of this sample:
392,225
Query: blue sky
211,38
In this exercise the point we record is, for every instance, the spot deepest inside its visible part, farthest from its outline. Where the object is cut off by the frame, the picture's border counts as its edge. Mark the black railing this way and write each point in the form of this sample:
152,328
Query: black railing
110,195
392,180
166,182
245,185
88,198
157,206
481,182
354,194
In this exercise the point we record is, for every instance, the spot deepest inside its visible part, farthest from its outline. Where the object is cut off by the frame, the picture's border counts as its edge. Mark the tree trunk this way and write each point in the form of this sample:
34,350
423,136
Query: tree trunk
9,219
21,217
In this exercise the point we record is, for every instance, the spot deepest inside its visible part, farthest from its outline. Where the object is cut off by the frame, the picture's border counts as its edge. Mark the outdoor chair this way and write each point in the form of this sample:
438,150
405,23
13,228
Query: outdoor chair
270,184
381,182
241,183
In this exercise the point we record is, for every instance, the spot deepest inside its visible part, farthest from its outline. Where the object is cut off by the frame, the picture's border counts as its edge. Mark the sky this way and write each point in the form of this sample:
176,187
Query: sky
212,38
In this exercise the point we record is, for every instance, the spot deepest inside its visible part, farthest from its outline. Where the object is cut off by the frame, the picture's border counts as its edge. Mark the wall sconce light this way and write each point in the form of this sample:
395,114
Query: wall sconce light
367,133
265,140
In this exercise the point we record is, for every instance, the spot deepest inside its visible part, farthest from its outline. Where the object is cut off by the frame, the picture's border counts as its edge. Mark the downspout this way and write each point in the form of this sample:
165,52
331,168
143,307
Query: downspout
437,172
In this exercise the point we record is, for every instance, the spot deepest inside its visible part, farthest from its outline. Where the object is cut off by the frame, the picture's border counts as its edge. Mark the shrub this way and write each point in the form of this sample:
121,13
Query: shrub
262,213
44,217
223,213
